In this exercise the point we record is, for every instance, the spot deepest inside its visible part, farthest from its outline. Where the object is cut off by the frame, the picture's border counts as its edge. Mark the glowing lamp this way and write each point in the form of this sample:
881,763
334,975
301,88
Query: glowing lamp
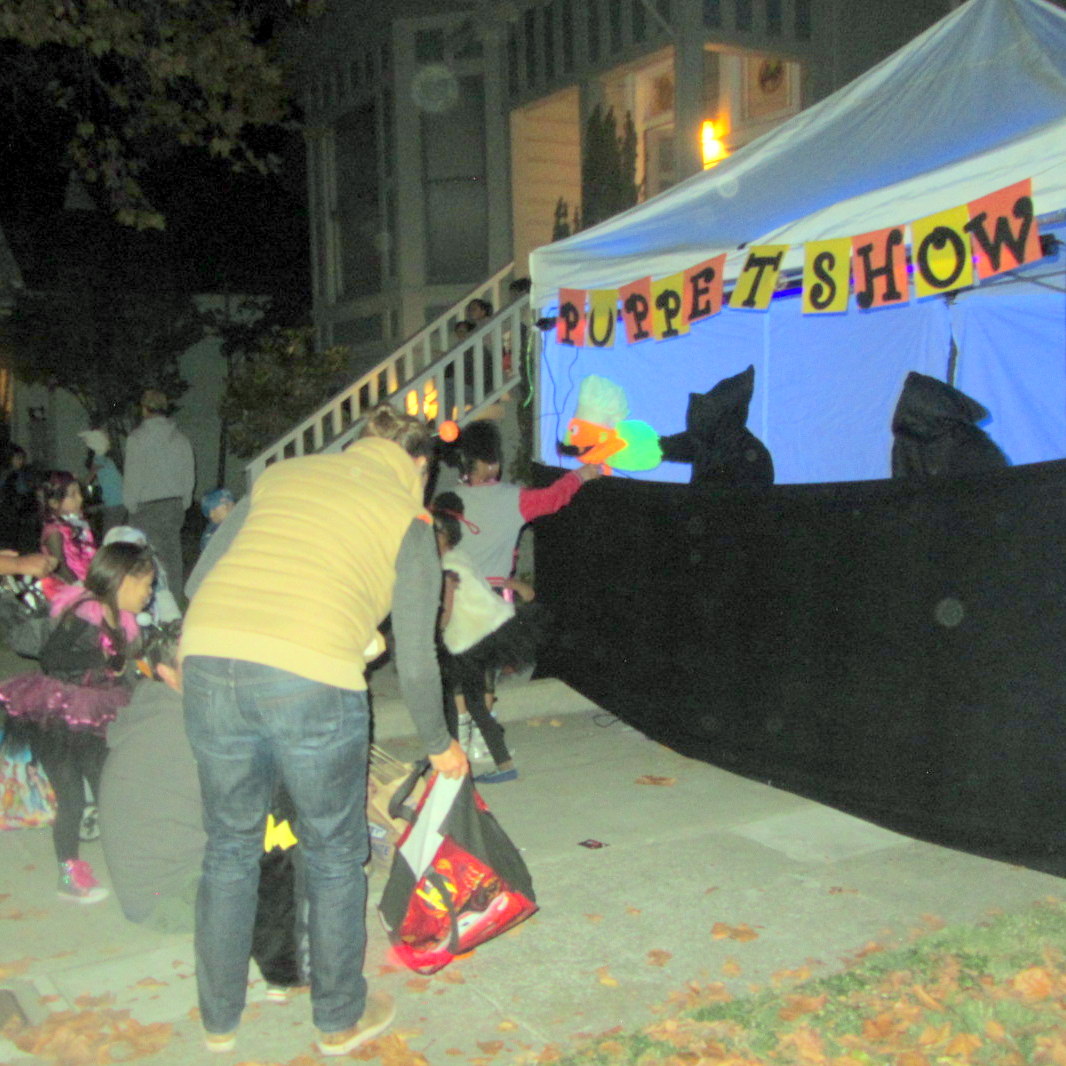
714,151
448,432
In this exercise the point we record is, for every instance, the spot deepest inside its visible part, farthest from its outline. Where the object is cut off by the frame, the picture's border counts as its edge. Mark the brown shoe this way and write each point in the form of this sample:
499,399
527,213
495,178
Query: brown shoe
380,1010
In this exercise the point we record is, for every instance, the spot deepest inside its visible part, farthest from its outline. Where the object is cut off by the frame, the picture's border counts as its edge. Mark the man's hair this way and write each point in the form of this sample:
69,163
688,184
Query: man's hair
155,401
405,430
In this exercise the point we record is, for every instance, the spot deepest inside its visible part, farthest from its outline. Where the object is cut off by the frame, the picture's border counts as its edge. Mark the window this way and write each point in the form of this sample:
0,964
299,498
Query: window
803,19
568,36
357,331
614,12
594,30
456,202
512,61
531,47
640,21
743,14
712,12
358,211
773,18
548,14
429,46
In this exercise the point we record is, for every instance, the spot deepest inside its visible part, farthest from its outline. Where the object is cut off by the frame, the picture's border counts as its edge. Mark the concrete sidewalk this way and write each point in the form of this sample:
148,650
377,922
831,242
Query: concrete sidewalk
622,926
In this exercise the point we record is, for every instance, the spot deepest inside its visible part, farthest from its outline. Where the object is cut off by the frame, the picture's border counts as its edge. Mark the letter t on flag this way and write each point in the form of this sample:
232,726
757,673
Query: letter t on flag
758,280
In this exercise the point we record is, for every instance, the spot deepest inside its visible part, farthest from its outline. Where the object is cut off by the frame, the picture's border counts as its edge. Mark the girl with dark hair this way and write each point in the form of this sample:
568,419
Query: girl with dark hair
65,535
481,632
63,712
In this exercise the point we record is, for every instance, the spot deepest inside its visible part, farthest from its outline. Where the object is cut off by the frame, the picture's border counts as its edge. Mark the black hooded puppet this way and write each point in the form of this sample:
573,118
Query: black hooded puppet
936,432
717,442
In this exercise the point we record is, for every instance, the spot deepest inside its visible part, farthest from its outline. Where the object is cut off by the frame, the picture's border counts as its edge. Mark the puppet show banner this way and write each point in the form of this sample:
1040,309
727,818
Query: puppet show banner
987,236
889,648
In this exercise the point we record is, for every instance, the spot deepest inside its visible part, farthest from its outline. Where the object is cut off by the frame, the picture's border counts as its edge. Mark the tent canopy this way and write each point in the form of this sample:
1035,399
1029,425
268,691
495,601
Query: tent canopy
976,103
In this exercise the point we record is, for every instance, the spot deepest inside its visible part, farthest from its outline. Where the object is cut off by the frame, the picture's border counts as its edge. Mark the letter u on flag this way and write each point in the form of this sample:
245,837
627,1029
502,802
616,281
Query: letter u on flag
603,312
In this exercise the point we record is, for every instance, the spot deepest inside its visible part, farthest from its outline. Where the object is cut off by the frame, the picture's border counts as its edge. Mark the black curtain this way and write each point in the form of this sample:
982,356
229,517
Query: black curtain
894,649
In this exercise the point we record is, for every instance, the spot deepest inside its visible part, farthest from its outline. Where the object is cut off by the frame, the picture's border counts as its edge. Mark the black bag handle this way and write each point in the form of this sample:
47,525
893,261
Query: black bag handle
435,879
398,806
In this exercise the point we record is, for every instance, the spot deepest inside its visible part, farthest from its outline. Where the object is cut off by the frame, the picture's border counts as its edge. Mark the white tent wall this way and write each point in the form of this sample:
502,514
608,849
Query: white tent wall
1011,341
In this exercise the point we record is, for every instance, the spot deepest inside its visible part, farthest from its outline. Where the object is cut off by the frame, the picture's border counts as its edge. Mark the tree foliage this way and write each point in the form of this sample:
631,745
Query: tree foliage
277,385
608,167
105,349
128,80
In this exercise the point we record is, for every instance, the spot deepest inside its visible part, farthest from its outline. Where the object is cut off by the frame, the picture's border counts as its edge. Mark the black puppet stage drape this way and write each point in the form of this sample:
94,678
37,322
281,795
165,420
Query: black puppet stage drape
894,649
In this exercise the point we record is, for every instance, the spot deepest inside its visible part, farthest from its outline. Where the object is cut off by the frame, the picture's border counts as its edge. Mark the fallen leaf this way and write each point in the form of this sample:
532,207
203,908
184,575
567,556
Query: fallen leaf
150,982
653,779
797,1006
604,977
507,1026
912,1058
633,910
95,1001
418,984
925,999
10,969
836,890
658,957
731,968
1034,983
742,932
994,1030
964,1045
594,917
934,1034
454,977
555,722
491,1047
806,1043
800,974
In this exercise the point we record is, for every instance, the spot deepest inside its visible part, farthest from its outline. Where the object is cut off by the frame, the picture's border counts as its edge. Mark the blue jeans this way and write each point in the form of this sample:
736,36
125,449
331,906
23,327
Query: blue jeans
248,726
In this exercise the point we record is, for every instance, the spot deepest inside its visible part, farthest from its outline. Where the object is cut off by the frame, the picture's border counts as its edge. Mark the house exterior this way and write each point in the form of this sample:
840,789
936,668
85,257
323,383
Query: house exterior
442,137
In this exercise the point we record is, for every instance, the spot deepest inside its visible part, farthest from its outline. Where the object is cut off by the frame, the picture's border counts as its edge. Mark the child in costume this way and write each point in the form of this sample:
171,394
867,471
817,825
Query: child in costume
64,711
65,534
216,506
480,632
499,511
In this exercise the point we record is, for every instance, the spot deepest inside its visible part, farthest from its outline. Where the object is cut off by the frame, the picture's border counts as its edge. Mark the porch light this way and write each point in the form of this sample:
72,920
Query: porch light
714,151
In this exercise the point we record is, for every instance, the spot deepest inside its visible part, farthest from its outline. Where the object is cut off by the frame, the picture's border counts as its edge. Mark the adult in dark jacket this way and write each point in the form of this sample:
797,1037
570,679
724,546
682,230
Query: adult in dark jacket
717,441
936,432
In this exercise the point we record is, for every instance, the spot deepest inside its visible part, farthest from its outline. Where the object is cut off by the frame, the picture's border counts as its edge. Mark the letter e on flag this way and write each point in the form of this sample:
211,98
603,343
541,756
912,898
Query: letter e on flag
702,294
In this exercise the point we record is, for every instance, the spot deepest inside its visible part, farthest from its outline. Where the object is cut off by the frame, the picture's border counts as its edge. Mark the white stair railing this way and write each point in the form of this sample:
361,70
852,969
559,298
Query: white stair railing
428,361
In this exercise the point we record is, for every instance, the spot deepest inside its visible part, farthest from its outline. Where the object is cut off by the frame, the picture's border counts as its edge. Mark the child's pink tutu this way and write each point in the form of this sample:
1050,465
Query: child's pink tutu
47,701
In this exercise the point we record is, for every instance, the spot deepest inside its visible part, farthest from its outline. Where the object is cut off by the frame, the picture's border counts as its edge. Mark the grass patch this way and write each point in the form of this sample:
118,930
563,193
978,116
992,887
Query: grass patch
988,994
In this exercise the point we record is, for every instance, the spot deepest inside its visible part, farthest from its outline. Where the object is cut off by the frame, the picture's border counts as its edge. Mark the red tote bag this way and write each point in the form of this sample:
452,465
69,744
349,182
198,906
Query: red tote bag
456,880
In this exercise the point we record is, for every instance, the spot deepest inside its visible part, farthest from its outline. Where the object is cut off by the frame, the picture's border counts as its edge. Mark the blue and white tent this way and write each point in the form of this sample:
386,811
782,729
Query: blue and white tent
975,104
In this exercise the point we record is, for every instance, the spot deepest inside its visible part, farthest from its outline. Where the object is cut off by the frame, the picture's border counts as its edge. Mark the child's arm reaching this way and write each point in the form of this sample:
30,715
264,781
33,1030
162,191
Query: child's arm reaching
522,589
